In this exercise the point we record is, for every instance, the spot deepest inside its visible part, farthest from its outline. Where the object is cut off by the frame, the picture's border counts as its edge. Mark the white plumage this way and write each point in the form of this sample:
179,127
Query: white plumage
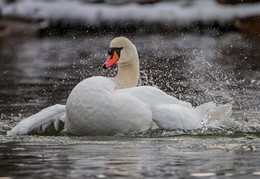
40,121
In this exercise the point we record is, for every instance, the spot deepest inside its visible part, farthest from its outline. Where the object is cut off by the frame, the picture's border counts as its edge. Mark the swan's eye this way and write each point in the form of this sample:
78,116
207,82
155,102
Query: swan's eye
110,52
114,49
118,50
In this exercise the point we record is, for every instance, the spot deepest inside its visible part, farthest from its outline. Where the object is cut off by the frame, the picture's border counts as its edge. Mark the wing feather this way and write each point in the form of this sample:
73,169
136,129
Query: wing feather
40,121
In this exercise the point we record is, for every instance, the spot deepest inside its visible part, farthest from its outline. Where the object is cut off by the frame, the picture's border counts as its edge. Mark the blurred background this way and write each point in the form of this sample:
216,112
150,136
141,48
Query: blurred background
82,17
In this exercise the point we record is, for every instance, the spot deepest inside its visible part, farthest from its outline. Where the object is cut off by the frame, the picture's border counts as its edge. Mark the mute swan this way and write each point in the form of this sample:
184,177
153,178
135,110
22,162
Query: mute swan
107,106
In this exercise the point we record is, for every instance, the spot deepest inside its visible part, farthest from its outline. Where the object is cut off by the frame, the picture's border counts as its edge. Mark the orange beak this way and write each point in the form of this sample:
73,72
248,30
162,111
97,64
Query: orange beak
111,59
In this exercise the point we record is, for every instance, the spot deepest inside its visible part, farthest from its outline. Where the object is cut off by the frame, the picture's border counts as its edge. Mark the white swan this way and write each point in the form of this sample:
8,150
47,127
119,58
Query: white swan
107,106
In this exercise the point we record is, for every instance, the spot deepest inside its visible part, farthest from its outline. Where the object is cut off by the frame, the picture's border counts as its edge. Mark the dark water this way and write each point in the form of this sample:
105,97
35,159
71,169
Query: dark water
84,157
36,73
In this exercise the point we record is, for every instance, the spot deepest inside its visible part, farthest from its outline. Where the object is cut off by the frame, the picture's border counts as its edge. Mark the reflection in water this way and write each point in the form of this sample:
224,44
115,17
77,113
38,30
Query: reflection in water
129,158
36,73
23,160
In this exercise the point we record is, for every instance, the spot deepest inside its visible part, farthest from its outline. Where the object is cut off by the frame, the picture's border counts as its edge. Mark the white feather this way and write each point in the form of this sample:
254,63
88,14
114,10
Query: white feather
40,121
220,112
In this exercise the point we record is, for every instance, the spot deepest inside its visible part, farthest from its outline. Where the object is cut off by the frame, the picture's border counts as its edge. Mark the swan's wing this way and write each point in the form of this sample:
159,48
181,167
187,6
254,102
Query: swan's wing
171,113
220,112
40,121
167,111
213,112
204,108
133,112
175,116
153,96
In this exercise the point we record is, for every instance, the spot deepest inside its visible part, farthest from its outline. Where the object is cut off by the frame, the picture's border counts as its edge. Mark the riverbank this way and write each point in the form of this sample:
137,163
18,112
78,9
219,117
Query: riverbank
62,16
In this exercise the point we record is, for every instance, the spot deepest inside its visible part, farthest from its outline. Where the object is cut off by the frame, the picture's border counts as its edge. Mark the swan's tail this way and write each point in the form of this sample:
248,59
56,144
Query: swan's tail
213,112
40,121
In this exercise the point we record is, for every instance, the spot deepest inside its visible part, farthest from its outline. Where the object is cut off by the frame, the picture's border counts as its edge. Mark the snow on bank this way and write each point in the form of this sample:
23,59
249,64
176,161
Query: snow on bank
178,12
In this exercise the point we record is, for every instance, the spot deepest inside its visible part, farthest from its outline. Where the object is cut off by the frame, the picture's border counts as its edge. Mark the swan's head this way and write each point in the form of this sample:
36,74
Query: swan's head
122,51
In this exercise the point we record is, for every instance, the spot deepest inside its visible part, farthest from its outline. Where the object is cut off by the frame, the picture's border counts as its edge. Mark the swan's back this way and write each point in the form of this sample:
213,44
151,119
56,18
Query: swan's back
152,96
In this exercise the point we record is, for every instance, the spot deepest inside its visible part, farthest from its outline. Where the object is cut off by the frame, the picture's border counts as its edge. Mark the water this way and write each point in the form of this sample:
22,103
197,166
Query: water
36,73
114,157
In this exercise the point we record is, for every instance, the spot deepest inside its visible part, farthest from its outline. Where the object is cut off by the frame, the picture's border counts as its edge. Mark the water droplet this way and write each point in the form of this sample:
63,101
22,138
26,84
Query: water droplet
101,176
256,173
203,174
228,174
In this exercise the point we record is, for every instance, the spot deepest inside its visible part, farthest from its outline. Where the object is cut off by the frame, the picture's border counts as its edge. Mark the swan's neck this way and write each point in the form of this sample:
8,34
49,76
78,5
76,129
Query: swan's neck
128,75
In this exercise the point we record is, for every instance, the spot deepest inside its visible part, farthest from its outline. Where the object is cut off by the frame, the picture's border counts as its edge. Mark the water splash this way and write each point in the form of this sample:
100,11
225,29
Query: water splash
192,68
228,127
208,78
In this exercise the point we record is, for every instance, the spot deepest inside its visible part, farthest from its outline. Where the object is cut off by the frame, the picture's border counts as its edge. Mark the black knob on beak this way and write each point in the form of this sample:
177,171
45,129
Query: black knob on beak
104,66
